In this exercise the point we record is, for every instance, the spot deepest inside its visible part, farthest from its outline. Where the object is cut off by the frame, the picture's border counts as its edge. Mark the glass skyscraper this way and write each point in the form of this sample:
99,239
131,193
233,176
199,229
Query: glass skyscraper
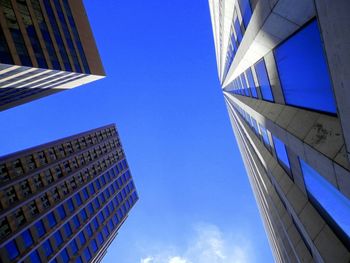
46,46
284,70
64,201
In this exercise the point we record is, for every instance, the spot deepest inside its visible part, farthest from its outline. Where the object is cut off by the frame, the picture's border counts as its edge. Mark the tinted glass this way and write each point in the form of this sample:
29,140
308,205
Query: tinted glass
40,228
303,71
251,83
34,257
335,204
263,79
27,238
47,248
246,11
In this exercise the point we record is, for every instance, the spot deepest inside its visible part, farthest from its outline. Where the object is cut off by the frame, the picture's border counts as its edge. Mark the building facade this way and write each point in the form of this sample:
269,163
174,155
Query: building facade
46,46
64,201
285,75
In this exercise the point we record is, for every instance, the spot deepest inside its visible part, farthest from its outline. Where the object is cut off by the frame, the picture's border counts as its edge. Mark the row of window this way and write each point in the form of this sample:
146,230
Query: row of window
45,178
237,31
44,201
77,221
302,71
41,158
331,203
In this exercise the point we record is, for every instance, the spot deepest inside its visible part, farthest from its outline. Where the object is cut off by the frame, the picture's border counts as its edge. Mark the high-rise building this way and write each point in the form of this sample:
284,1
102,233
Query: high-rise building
64,201
46,46
284,67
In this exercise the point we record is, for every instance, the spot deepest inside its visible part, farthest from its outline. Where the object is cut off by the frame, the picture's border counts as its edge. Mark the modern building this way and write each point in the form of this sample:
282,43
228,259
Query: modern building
284,67
46,46
64,201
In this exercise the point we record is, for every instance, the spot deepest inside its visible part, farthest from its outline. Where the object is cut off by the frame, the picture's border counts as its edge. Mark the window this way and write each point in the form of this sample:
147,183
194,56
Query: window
47,248
264,135
303,71
105,231
251,83
19,217
51,219
90,208
87,254
95,224
82,238
100,238
94,245
12,250
67,230
64,255
74,247
78,199
89,230
27,238
34,257
58,238
11,195
326,196
76,221
83,215
40,229
281,153
70,205
61,212
246,11
263,80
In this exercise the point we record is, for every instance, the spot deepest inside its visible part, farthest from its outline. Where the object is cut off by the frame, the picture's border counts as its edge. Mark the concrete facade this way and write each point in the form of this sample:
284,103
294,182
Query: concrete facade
300,227
46,47
66,200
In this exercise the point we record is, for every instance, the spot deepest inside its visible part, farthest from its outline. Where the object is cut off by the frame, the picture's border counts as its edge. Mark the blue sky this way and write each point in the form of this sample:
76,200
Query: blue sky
163,93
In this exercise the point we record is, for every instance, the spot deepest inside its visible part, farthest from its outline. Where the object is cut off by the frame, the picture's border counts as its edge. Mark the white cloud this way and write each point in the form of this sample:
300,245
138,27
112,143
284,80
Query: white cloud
207,245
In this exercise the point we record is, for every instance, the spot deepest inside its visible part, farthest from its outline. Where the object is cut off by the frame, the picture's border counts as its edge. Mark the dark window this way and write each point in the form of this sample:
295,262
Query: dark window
303,71
76,222
47,248
95,224
100,238
264,135
263,79
5,55
89,230
70,205
78,199
83,215
12,250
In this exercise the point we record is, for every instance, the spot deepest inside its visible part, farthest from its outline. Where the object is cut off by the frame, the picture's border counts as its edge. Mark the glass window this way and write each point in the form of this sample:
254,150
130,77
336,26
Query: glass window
40,228
51,219
78,199
82,238
70,205
263,79
76,221
303,71
246,11
105,231
47,248
281,152
264,135
78,260
100,238
74,247
95,224
27,238
87,254
333,202
251,82
61,212
58,238
67,230
12,250
64,255
83,215
94,245
89,230
34,257
254,125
